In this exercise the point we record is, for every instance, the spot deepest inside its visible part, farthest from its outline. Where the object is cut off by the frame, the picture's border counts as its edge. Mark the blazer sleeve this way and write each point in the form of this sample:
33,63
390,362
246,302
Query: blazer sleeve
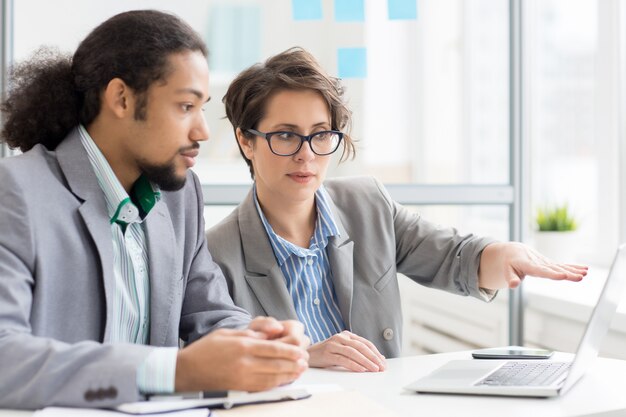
436,256
37,371
207,303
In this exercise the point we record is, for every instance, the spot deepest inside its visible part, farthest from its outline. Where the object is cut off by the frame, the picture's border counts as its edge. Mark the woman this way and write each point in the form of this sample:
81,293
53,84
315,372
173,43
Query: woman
327,252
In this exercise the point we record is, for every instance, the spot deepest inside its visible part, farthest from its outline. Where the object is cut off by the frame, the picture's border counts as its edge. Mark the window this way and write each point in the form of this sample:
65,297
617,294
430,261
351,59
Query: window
433,108
432,116
573,117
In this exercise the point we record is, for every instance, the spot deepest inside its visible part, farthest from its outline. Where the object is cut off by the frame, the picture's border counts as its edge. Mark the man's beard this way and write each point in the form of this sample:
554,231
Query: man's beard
164,176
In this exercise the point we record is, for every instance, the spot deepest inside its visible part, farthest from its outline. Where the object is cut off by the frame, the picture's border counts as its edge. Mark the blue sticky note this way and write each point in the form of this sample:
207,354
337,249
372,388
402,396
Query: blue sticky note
349,10
352,62
307,9
402,9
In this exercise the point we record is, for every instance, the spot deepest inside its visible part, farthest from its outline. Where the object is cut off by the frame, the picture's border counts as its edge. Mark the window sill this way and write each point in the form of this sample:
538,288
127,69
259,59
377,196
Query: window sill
571,300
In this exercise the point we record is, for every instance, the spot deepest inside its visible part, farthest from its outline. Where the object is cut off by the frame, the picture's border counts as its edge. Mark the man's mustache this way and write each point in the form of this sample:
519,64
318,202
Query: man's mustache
195,146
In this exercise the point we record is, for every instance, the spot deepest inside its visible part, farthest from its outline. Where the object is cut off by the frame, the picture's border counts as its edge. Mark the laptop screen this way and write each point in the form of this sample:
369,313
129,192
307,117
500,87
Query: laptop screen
598,324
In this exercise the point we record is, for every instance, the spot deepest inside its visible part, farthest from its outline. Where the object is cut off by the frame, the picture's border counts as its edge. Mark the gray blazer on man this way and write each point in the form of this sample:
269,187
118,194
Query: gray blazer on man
379,238
57,282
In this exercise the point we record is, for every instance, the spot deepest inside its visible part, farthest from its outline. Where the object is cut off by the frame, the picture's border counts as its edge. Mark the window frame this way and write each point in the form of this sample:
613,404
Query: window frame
620,14
6,54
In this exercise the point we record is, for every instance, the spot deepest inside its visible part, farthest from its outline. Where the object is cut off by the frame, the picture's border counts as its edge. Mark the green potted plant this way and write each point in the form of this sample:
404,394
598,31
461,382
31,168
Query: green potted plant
556,232
556,219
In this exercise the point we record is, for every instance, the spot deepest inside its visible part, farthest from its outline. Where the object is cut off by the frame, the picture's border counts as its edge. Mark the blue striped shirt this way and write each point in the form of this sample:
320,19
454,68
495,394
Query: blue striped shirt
307,272
130,315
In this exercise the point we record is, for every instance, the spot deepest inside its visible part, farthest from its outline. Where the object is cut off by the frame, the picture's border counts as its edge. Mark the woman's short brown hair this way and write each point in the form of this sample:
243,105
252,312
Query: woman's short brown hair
293,69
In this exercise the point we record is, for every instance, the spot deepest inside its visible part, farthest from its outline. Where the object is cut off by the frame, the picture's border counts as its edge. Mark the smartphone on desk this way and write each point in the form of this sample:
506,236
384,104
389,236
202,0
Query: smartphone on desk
511,352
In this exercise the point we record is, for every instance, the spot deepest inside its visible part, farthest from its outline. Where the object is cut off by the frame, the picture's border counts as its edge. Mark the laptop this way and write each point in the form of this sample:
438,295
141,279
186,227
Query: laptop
533,378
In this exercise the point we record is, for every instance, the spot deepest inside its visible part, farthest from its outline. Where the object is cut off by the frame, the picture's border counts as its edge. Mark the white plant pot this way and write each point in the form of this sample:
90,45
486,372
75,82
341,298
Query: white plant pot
558,246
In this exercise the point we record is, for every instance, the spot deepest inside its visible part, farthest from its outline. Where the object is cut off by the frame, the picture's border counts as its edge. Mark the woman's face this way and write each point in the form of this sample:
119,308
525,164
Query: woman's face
289,179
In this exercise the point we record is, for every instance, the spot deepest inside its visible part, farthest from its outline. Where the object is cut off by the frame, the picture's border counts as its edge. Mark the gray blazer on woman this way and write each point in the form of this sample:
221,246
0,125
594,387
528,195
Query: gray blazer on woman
57,282
379,238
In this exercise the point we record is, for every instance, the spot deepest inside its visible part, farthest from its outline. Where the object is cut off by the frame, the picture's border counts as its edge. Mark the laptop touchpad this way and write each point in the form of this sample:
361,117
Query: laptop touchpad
464,371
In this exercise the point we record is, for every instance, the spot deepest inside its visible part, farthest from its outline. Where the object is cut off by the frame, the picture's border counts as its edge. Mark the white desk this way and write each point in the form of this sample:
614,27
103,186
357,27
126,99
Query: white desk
600,393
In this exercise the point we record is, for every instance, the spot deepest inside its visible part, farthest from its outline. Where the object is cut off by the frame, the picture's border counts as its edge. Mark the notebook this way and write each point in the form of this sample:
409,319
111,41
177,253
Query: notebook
177,402
533,378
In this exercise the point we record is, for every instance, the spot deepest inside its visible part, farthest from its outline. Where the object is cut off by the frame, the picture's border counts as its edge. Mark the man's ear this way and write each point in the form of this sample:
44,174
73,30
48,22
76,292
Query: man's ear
118,98
246,144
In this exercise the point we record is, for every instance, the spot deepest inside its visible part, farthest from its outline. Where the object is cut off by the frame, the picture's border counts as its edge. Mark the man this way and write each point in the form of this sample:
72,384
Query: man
102,248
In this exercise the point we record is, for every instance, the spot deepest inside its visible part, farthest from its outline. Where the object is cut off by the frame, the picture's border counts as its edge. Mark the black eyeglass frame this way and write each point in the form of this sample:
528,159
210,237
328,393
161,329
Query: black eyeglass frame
303,138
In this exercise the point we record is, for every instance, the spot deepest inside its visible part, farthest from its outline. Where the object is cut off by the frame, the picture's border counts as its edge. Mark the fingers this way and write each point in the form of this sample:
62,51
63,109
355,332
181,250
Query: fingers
569,273
240,333
264,381
238,359
352,364
270,363
354,359
514,281
538,265
276,350
554,271
379,358
349,351
268,325
287,331
507,264
277,366
578,269
294,334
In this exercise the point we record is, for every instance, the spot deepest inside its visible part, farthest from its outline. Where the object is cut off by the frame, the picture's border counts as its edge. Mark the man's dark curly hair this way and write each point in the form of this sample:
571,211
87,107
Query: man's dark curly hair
52,93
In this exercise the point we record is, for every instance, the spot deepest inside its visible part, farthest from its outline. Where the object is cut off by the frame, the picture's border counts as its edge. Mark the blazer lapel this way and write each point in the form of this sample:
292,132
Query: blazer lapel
163,264
263,274
340,256
82,181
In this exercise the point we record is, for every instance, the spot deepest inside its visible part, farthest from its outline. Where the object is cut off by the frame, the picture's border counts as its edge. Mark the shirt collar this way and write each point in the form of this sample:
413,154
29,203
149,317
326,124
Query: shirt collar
119,205
325,226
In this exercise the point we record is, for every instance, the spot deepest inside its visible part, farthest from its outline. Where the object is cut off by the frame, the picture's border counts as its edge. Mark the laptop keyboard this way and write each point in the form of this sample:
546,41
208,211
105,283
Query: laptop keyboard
526,373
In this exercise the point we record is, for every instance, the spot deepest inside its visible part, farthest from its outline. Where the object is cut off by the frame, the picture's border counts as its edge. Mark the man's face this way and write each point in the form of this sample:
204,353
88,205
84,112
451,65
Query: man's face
166,143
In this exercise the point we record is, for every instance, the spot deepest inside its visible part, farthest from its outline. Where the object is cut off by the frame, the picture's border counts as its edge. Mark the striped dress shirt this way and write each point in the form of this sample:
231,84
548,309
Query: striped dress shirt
130,321
307,273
